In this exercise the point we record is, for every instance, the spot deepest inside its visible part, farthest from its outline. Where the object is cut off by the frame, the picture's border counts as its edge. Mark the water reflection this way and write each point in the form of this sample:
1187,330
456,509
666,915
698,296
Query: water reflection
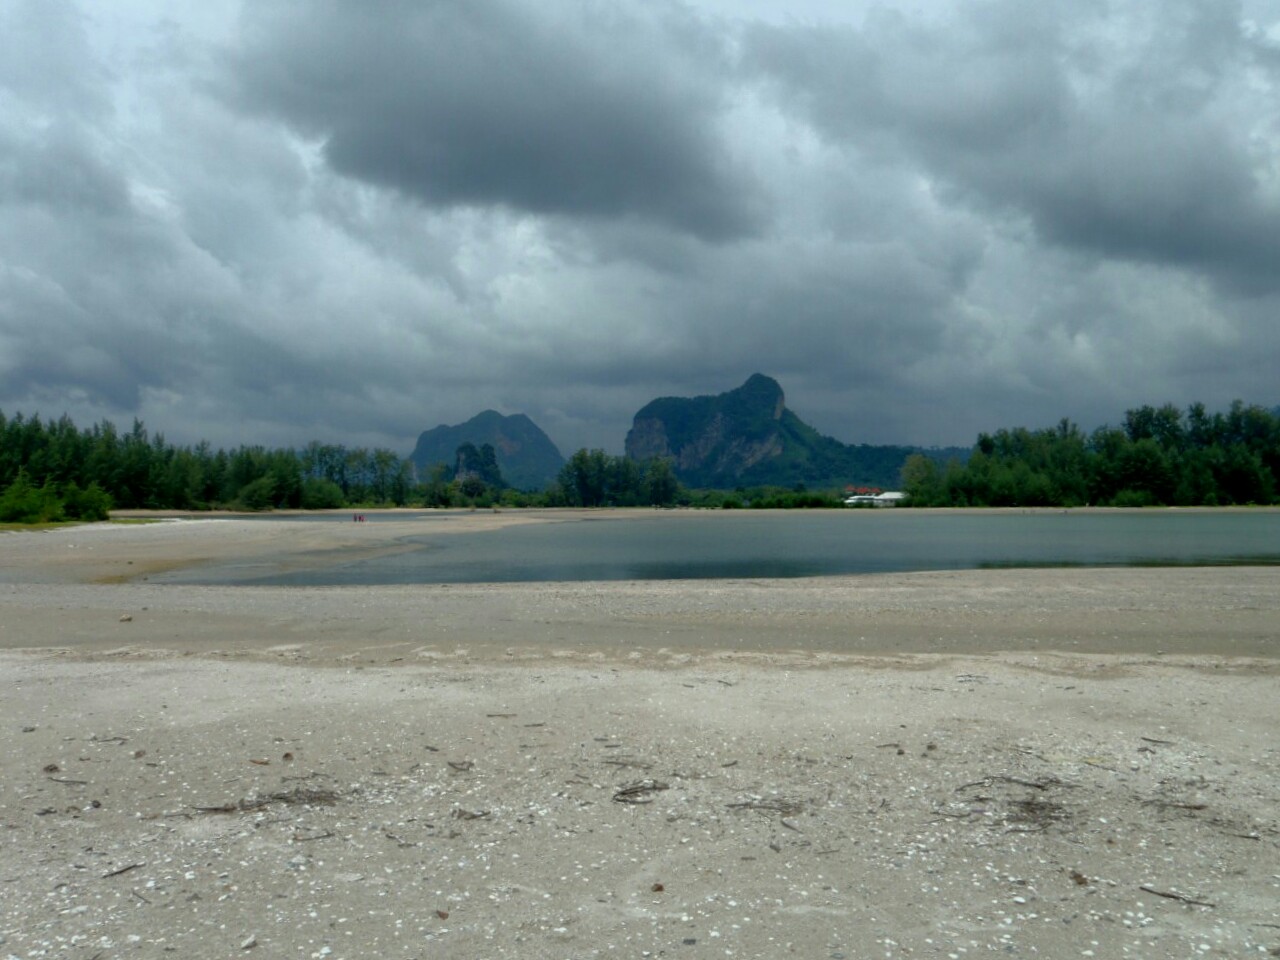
688,546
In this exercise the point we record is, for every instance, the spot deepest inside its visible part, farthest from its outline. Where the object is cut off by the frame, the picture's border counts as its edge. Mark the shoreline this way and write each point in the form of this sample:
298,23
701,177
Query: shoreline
1209,612
92,576
552,512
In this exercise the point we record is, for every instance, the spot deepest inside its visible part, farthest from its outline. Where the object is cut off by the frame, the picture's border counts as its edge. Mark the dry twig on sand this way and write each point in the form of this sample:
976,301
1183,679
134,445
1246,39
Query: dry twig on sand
1176,896
1044,784
126,869
296,796
639,791
781,805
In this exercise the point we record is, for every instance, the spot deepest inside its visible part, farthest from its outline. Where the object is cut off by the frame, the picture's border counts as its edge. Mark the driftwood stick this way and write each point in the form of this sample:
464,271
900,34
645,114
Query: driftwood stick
1031,784
116,873
639,792
1176,896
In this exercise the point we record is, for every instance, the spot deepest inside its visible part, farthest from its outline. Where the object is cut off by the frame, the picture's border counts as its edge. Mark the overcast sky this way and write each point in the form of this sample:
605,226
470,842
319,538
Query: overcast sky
274,221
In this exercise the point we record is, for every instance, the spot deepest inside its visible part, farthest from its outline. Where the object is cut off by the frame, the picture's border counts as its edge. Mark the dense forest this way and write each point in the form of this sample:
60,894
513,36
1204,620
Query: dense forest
52,471
1158,456
61,471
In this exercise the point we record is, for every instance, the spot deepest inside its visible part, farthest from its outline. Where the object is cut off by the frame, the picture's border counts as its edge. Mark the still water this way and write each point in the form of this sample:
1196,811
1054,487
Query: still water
695,545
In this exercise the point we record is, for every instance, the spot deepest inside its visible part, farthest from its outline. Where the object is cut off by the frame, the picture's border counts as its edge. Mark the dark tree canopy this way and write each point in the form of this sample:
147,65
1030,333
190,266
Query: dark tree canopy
593,478
85,469
1158,456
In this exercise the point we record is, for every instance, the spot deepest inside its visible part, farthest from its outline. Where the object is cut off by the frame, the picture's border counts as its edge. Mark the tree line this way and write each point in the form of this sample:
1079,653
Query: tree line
135,469
1158,456
52,470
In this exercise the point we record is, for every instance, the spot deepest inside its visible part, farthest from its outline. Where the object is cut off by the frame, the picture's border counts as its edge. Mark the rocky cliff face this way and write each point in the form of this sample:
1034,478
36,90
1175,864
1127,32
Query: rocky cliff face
721,451
713,440
647,439
748,437
527,457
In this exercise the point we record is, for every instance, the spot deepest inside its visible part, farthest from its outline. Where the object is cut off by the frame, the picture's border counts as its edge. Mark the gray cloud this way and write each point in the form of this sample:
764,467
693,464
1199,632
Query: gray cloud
46,64
572,109
269,222
1124,131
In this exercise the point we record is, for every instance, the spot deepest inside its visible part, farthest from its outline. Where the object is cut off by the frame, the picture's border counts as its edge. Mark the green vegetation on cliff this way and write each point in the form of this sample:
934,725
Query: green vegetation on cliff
748,437
526,457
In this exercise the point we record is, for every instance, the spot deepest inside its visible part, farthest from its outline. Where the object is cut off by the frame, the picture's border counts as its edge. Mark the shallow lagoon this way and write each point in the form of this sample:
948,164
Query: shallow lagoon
681,545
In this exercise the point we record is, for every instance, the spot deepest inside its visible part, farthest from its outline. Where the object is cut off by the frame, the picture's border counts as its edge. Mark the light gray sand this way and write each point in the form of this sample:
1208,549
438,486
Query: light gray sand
1002,786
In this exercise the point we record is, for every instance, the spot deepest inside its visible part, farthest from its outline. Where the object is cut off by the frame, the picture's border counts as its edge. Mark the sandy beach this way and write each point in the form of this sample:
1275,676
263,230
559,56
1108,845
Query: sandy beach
1058,763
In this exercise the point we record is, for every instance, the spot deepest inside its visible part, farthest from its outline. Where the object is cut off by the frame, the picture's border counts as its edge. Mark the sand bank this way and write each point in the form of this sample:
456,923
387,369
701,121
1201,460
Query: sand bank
1060,763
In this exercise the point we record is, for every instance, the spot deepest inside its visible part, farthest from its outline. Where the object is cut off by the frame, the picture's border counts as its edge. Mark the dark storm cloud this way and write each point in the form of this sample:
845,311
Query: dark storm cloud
271,222
157,274
1131,131
577,109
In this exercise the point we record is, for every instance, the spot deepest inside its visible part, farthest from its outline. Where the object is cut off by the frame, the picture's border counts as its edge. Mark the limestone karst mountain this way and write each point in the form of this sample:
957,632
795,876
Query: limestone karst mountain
527,457
747,436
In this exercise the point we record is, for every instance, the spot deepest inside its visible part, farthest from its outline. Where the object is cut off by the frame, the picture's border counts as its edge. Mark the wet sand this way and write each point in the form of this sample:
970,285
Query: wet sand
942,764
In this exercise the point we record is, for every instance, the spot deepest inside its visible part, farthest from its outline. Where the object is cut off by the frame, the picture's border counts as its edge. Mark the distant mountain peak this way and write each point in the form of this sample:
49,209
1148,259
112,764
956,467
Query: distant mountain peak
747,436
526,456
